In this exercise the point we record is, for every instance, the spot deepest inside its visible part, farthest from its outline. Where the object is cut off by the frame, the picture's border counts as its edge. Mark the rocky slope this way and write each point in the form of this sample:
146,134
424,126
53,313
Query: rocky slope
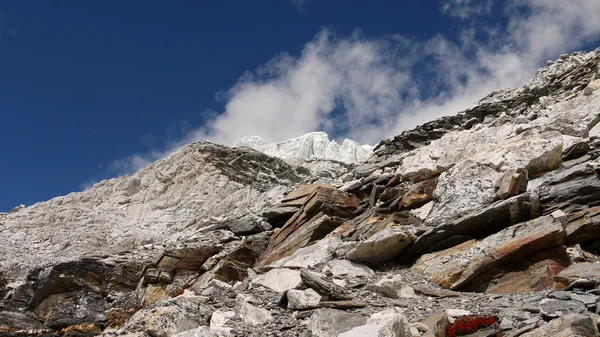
485,223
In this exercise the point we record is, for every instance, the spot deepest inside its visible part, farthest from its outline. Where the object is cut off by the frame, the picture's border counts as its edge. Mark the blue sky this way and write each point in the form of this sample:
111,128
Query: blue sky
94,89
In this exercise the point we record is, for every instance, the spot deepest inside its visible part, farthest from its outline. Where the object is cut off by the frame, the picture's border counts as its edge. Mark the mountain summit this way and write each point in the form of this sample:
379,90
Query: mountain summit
312,146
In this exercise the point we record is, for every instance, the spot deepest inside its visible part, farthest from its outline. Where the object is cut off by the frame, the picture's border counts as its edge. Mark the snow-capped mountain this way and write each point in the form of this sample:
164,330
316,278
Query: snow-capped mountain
314,145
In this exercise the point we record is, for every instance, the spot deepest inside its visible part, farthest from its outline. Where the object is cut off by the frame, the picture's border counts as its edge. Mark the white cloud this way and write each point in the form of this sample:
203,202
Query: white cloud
464,9
299,4
369,89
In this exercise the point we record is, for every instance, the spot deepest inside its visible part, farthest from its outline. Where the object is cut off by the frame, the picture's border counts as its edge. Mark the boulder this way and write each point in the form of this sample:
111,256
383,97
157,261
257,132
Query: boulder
312,255
436,324
347,269
332,322
302,299
577,271
570,190
477,224
254,315
186,258
392,286
471,183
323,211
569,325
531,273
551,308
583,226
511,183
168,319
462,266
386,323
383,245
279,280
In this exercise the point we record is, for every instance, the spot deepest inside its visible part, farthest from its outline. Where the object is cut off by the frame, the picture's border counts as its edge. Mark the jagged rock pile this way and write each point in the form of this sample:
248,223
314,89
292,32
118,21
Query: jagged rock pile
486,223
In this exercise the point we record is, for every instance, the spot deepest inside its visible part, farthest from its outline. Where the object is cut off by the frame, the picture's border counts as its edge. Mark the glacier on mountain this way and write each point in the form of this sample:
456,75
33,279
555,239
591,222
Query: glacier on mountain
314,145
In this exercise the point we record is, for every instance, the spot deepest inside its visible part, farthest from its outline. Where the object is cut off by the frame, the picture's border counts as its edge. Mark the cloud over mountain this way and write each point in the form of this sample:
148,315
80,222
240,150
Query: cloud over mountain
366,88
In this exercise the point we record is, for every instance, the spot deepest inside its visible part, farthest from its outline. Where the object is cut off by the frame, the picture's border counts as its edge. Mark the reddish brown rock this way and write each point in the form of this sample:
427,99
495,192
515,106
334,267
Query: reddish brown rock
418,194
298,196
583,226
234,266
513,182
186,259
458,267
437,324
324,210
368,224
375,192
588,271
532,273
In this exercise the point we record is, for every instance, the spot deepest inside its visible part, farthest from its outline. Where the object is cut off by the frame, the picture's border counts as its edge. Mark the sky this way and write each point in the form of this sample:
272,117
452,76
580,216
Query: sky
91,90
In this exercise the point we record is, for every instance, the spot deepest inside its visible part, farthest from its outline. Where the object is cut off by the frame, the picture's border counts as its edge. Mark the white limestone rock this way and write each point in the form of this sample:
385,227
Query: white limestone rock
255,315
279,280
471,183
347,269
310,256
302,299
387,323
383,245
219,319
392,287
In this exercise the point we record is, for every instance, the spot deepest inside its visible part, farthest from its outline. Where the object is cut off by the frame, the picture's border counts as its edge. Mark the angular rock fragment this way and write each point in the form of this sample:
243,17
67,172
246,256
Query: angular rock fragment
234,266
513,182
324,287
393,287
587,271
383,245
569,325
347,269
186,259
584,226
551,308
255,315
386,323
418,194
310,256
332,322
477,224
302,299
531,273
436,324
279,280
570,190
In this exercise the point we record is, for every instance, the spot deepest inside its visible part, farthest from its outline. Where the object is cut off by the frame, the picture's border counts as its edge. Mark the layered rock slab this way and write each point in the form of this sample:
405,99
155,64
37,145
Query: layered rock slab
458,267
323,211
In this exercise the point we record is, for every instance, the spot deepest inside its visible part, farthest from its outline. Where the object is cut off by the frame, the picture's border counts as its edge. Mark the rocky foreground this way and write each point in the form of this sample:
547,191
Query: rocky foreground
485,223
